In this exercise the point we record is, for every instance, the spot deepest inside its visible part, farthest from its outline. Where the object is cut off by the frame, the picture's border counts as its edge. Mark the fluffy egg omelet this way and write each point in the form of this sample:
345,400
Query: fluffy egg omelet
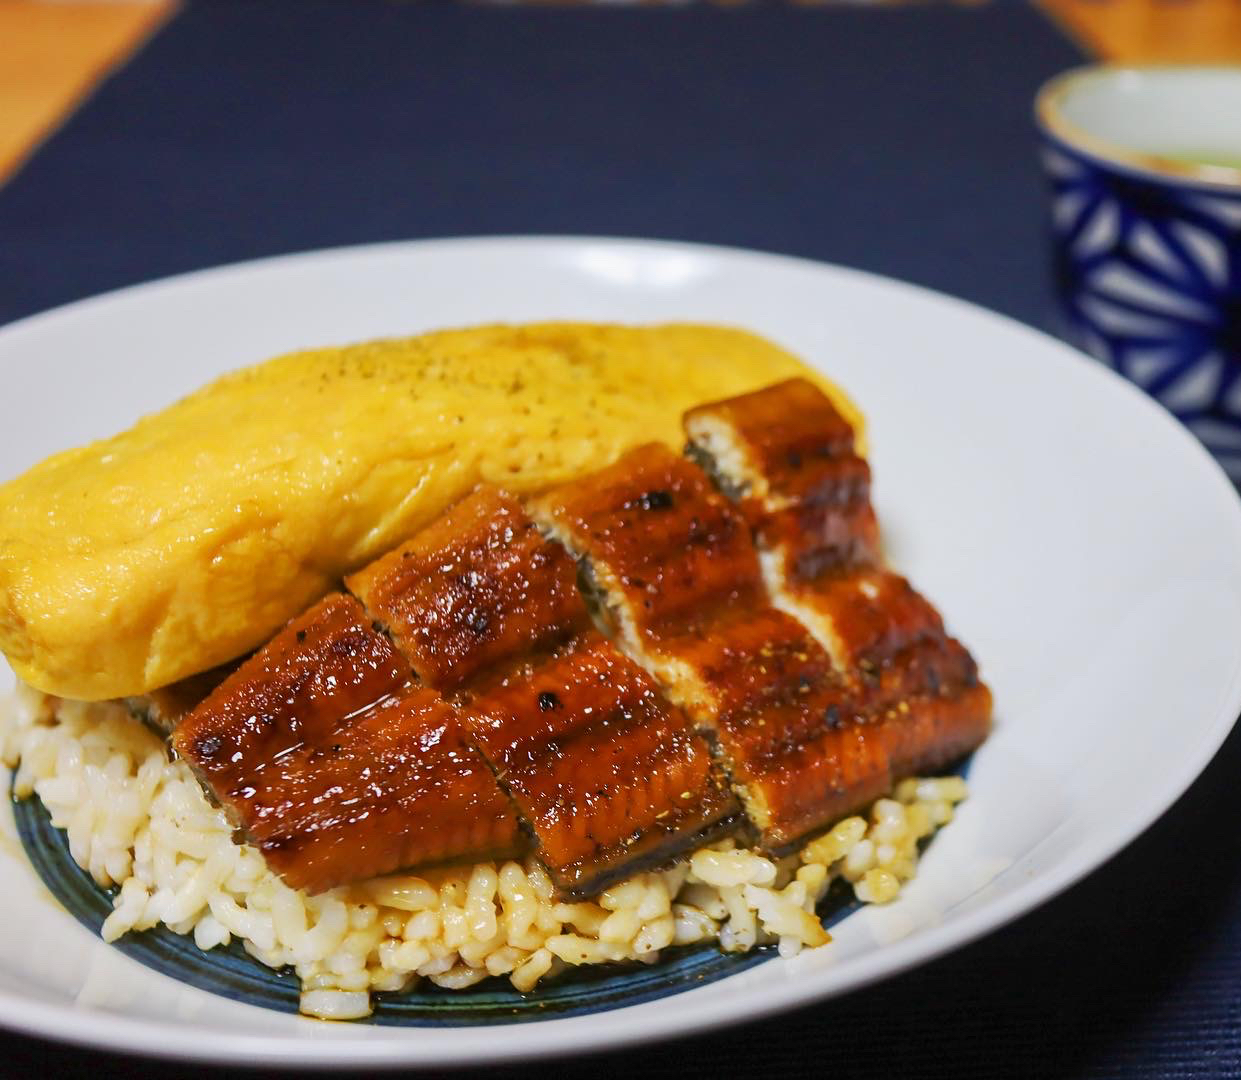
189,539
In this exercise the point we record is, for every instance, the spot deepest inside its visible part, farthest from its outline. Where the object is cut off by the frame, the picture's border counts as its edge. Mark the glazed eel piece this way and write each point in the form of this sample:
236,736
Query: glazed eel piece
350,745
674,573
337,765
608,776
788,459
364,738
333,748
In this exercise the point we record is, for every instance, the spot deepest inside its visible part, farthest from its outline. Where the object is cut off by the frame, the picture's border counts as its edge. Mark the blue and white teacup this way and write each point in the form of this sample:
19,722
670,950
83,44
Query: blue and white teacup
1145,170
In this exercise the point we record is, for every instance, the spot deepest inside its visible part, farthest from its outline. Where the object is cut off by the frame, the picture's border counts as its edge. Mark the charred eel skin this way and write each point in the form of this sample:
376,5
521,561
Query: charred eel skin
788,459
679,576
359,742
335,765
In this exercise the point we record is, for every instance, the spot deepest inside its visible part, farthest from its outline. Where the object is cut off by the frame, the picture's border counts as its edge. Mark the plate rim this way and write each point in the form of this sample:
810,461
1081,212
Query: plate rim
101,1029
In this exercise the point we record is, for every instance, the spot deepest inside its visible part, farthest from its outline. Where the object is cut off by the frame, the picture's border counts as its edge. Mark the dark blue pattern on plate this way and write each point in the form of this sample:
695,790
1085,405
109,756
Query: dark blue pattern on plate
1149,277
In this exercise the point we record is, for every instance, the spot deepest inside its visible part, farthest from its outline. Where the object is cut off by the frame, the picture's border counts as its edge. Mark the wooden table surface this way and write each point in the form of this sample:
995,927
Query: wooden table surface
52,52
1153,31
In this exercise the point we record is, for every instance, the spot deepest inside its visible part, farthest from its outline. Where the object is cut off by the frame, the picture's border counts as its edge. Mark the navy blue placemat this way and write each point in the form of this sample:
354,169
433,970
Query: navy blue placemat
894,140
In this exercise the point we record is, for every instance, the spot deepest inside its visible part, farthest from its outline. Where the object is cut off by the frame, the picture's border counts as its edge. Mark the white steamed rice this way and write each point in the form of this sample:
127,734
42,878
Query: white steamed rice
140,822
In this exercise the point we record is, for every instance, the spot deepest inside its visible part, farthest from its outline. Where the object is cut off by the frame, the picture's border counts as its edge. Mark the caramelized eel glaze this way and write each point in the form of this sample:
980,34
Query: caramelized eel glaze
610,775
680,574
608,779
335,766
788,457
474,588
463,705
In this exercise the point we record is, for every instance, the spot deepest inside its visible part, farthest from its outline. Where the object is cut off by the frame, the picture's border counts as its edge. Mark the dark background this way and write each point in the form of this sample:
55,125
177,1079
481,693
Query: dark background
894,140
897,140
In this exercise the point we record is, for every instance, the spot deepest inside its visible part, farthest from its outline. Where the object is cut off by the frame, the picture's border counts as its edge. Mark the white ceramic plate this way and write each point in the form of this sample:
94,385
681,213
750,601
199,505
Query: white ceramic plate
1082,544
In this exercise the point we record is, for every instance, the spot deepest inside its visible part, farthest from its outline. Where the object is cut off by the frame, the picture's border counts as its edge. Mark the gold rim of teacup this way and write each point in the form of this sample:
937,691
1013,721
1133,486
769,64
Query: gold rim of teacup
1048,113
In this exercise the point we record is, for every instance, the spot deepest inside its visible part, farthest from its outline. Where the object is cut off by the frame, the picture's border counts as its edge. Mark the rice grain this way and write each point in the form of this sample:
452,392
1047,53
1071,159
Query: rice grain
140,822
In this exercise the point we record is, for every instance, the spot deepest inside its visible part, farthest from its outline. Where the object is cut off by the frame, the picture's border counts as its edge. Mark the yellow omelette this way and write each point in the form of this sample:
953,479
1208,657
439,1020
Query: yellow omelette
192,537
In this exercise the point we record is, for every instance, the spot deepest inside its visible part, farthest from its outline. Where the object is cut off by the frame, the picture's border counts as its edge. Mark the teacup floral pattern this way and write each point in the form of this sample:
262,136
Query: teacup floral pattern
1149,276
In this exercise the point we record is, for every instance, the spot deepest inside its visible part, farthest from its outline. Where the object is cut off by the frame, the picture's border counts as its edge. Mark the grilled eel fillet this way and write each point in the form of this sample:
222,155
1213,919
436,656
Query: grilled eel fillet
335,765
479,586
610,776
606,773
675,572
480,605
605,770
787,458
